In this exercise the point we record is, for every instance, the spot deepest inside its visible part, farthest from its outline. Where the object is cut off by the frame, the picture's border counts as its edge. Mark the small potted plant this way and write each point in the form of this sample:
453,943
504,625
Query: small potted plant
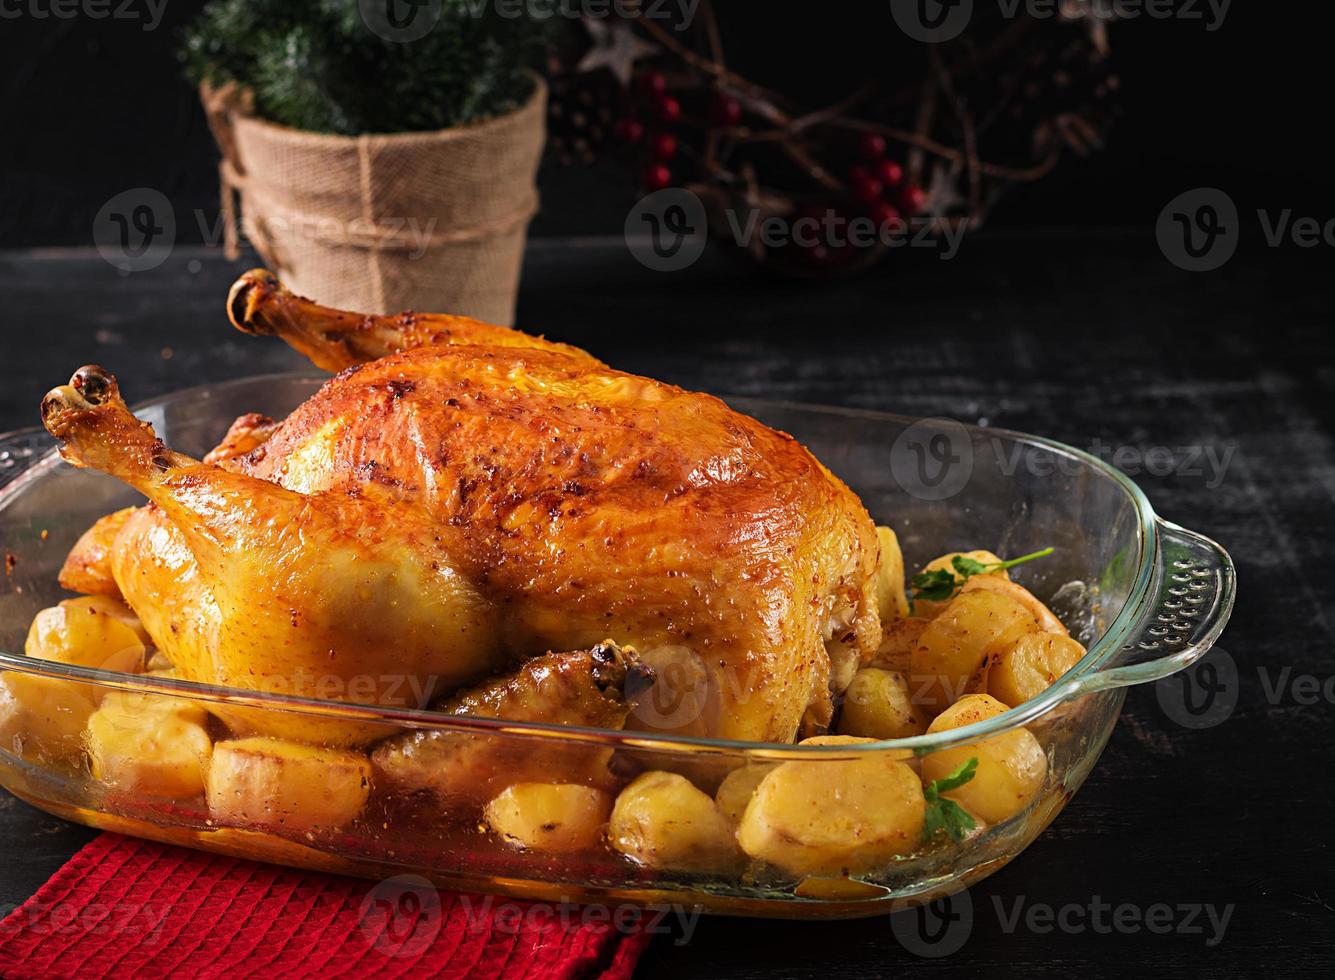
383,154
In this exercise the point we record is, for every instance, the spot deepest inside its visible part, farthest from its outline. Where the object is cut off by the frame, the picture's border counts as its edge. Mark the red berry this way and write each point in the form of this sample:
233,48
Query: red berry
657,176
914,200
883,213
725,110
663,146
629,130
867,190
890,173
872,146
653,83
669,109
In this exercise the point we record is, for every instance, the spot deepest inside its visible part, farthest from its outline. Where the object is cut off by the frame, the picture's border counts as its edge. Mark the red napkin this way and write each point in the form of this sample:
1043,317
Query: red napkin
123,906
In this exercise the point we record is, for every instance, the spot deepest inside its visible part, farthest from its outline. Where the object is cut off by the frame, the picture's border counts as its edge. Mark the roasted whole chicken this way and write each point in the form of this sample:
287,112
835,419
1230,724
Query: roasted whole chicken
461,500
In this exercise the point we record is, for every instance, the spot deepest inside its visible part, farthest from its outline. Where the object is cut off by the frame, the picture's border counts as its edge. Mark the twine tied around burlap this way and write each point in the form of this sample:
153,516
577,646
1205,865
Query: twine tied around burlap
382,223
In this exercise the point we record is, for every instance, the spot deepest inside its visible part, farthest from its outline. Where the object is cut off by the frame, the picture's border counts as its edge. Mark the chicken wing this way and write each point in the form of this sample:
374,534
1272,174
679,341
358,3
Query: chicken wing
592,688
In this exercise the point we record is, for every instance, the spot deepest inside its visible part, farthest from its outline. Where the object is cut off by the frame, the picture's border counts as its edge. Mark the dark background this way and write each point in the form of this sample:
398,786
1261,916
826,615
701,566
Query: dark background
89,108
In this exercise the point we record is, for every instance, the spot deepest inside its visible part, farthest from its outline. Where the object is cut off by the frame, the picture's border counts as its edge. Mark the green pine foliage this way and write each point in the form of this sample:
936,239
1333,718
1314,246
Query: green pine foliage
316,65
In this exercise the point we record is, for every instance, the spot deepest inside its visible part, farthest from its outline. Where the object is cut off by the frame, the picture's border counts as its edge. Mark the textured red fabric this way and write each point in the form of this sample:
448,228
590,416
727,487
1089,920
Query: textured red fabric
123,906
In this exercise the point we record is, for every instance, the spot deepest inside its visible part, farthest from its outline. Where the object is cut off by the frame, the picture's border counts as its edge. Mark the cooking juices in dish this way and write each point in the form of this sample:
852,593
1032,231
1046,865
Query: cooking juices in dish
608,590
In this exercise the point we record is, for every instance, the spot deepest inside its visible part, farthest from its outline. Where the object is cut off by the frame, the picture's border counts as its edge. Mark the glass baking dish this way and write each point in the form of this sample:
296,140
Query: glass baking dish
1146,597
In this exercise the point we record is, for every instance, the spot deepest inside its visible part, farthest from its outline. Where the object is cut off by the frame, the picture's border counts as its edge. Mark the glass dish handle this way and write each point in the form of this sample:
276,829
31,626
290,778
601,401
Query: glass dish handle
1193,597
19,450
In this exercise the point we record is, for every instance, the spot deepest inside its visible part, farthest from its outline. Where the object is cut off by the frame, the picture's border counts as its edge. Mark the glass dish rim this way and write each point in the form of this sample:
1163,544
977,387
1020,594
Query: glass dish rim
1114,638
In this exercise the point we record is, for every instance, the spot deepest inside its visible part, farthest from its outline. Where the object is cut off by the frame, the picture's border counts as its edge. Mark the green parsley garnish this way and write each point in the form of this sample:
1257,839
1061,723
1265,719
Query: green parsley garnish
941,583
947,815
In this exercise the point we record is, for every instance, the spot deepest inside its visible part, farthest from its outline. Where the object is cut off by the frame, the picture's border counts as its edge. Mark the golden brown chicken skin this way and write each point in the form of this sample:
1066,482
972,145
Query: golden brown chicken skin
575,502
590,503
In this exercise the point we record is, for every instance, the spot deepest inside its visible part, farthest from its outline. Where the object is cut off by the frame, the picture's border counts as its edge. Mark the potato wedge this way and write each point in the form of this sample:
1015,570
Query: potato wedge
149,745
1011,766
91,631
1031,666
661,820
931,608
737,788
834,817
956,649
1047,621
271,781
878,704
87,568
550,816
891,598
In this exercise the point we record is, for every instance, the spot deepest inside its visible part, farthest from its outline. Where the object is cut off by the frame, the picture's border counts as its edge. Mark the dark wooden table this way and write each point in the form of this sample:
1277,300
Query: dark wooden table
1094,340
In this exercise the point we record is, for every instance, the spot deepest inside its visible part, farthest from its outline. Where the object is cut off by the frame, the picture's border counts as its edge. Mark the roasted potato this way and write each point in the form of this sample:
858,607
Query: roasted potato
43,719
899,638
891,598
1011,766
149,745
955,651
550,816
661,820
271,781
1031,666
878,704
833,817
996,582
91,631
737,788
931,608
